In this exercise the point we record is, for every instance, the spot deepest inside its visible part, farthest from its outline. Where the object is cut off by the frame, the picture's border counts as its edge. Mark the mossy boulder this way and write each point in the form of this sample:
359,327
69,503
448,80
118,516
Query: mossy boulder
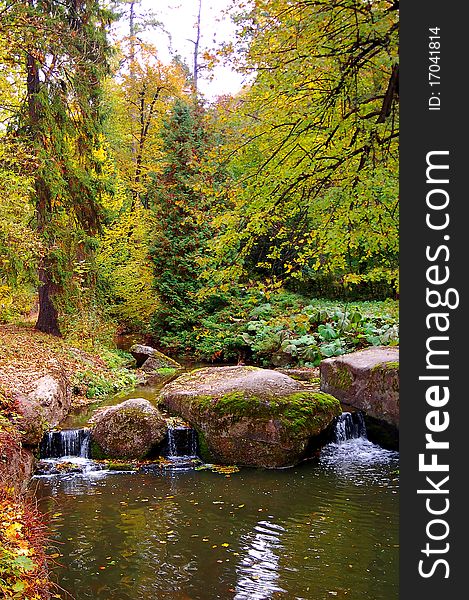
162,376
367,380
250,416
130,430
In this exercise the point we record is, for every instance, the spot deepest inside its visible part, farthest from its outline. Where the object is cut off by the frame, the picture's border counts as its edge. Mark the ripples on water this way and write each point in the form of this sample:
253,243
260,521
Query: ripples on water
323,530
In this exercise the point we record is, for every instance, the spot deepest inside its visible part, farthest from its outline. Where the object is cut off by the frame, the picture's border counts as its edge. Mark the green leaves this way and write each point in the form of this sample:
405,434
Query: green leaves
312,148
292,331
326,332
180,212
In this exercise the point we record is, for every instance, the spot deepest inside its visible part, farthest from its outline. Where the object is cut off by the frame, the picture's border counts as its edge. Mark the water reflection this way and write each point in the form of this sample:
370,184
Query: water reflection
305,533
258,571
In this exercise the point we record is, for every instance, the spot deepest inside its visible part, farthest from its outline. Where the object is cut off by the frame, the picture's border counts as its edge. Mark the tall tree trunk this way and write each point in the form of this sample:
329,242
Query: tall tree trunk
196,49
48,318
133,76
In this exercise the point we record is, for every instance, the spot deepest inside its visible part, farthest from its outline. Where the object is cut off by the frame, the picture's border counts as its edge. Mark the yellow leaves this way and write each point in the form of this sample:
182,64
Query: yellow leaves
19,573
226,470
13,531
352,278
24,549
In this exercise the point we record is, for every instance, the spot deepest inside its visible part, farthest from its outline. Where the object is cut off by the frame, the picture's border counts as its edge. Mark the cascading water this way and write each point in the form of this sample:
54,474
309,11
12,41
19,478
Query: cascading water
349,426
181,443
66,452
351,448
69,442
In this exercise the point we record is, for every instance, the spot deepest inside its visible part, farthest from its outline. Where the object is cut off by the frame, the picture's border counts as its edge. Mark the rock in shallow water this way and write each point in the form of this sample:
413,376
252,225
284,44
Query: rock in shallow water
367,380
250,416
150,359
131,429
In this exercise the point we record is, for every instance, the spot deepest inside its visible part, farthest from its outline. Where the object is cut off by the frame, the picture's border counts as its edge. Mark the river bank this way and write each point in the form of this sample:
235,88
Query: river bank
67,377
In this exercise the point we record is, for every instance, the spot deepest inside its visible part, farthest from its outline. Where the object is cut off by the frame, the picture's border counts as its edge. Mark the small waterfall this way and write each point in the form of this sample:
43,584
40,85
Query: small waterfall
69,442
349,426
181,442
350,448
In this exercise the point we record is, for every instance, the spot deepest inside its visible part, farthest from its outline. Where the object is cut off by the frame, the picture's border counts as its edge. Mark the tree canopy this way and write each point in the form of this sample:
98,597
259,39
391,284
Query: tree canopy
128,197
314,143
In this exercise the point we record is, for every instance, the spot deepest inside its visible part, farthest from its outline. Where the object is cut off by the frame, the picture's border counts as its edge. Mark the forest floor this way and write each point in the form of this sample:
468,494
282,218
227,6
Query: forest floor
27,355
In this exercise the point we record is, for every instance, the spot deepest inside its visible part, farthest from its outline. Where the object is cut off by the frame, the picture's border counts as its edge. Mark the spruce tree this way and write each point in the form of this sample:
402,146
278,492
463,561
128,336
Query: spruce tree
180,210
63,123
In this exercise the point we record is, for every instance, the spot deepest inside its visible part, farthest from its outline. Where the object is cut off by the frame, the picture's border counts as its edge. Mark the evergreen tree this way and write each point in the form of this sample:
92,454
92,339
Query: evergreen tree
180,209
63,122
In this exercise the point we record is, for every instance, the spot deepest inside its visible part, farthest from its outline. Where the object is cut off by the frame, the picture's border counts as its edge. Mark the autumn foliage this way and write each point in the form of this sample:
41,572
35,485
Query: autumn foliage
23,567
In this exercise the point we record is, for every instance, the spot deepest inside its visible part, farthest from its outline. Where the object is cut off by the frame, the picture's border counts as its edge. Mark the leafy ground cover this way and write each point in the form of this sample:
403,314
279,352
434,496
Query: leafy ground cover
286,329
23,568
26,355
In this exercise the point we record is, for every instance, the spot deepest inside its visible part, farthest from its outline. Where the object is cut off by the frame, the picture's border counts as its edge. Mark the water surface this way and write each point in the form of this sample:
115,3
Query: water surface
326,529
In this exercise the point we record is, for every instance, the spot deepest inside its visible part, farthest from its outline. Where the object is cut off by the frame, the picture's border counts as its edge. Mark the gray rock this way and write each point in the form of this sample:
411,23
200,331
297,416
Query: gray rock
250,416
43,408
131,429
367,380
150,359
309,374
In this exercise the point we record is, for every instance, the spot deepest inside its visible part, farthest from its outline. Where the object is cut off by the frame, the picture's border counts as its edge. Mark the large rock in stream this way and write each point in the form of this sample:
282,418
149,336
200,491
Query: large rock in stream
250,416
157,367
131,429
367,380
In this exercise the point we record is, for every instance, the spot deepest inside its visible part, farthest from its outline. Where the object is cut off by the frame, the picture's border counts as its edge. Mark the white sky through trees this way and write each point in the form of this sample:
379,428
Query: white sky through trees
179,18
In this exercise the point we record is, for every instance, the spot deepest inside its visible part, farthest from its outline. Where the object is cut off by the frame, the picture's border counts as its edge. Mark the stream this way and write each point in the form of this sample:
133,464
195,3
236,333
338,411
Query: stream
325,529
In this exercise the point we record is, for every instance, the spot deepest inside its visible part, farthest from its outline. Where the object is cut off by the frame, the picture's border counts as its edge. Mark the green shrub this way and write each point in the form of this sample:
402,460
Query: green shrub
247,327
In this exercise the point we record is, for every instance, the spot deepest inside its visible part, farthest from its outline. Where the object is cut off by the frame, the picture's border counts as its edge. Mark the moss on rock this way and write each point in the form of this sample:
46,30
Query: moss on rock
96,452
367,380
251,416
295,411
341,379
385,366
204,450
